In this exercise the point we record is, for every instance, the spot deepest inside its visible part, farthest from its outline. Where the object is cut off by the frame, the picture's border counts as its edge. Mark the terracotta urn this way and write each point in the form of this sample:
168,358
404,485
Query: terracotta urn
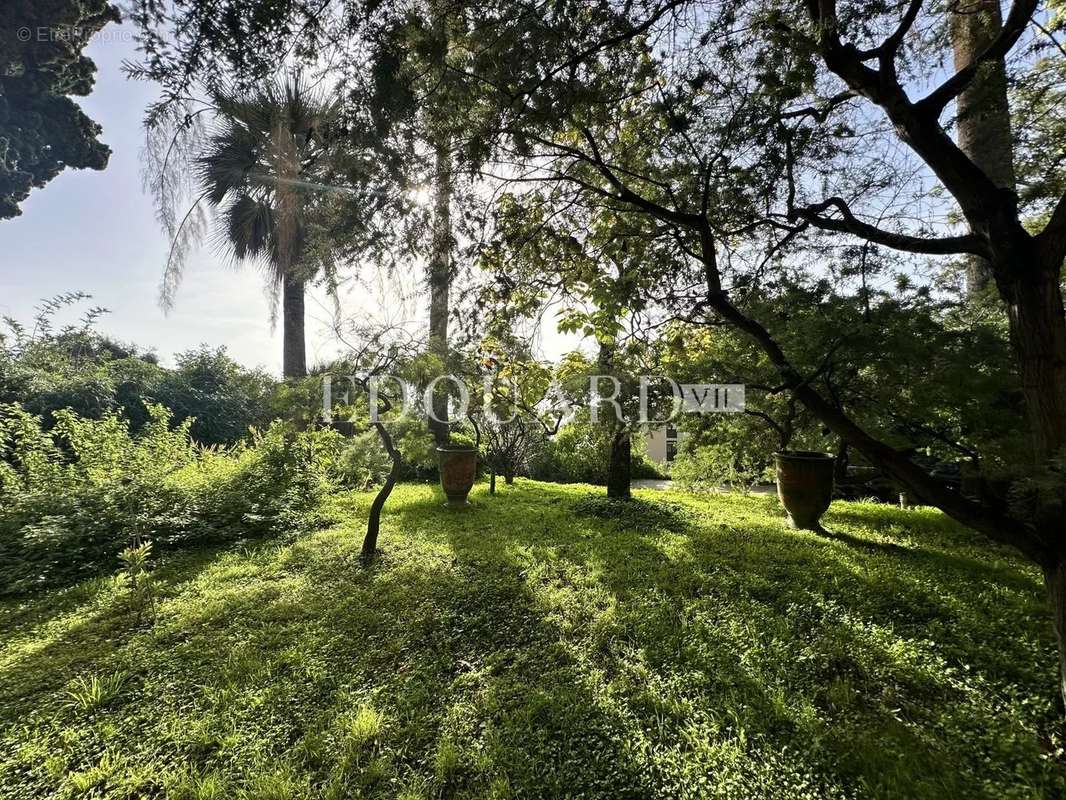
458,467
804,486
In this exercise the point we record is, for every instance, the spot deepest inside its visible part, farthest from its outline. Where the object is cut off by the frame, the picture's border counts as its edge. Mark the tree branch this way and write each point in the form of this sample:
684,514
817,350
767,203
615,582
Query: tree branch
1052,240
890,46
1021,12
979,516
849,223
820,113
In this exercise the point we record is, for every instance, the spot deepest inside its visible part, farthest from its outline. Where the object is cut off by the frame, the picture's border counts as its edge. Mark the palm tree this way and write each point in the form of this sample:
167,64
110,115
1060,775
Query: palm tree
258,169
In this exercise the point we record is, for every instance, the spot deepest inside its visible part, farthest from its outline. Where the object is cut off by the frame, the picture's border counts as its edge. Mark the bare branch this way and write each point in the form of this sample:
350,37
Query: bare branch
821,112
849,223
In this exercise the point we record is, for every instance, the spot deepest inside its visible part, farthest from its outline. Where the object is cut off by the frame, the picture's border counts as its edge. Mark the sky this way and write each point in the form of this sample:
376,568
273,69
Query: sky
95,232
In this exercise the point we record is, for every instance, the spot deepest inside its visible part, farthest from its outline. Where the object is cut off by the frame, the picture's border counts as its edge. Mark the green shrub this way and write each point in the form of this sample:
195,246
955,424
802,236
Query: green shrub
460,440
711,466
73,497
364,463
581,452
223,399
46,371
136,577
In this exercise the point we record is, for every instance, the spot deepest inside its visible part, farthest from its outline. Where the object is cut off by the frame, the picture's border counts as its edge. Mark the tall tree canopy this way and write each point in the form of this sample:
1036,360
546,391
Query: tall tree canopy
778,129
42,131
755,140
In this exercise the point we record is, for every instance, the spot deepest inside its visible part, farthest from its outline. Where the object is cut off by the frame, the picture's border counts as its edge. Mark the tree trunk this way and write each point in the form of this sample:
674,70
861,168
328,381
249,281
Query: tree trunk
373,522
492,480
440,278
1055,579
508,477
840,466
294,358
619,470
620,461
1038,335
982,109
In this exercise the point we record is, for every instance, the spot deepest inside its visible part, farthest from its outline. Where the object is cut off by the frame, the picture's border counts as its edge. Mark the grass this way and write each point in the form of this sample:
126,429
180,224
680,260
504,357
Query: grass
522,649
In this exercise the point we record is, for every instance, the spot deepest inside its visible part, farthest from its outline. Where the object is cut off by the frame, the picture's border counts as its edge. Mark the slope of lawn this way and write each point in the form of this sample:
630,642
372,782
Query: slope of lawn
537,646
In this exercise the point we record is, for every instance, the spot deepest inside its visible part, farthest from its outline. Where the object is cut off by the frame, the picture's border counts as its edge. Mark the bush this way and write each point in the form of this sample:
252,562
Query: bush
364,463
461,440
223,399
710,466
580,453
72,497
46,371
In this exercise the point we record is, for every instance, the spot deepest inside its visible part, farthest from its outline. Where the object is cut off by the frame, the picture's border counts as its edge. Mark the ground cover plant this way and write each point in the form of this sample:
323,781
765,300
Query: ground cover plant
527,650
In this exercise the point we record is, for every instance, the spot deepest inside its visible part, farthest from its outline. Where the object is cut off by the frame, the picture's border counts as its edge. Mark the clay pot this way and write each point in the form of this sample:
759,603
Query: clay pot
805,486
458,466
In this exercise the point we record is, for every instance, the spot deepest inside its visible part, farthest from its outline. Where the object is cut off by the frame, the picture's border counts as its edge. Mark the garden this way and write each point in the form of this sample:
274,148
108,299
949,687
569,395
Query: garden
600,399
547,647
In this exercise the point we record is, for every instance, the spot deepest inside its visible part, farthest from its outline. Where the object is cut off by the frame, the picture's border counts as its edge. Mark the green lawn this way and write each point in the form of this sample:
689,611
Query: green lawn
523,649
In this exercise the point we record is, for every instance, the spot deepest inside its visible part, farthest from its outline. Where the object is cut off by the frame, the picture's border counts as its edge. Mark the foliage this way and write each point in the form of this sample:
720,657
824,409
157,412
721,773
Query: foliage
46,369
222,398
461,440
580,453
1037,128
546,654
930,376
136,577
731,462
42,131
364,462
72,496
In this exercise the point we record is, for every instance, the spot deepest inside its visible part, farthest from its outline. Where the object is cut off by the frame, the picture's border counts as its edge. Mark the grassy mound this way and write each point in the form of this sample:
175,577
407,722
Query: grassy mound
521,649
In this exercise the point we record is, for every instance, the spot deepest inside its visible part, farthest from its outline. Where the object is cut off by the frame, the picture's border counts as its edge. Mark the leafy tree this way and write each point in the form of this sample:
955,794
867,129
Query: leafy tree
42,131
403,107
507,406
931,376
221,398
600,268
759,129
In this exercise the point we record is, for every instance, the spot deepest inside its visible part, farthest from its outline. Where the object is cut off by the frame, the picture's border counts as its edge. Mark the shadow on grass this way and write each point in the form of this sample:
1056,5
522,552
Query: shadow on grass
515,646
666,588
46,651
